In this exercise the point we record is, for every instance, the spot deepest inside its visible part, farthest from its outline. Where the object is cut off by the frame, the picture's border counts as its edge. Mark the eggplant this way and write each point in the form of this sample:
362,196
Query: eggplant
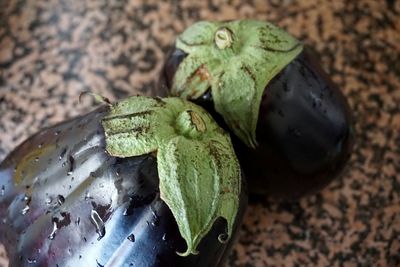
67,201
303,135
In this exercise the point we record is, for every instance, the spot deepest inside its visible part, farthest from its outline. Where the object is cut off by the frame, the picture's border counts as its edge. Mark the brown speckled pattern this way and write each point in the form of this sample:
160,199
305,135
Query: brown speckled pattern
52,50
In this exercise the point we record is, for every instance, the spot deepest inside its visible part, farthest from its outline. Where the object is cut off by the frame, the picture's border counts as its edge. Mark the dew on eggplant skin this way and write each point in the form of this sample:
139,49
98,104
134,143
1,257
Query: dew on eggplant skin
155,220
223,237
40,145
98,223
27,199
131,237
57,132
87,196
164,237
71,161
77,221
48,200
30,261
60,200
25,210
54,231
127,212
37,159
98,264
62,154
3,190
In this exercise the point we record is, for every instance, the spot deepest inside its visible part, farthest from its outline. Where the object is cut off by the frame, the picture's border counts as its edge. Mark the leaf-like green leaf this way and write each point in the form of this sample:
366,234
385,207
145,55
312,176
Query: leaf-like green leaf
198,169
240,57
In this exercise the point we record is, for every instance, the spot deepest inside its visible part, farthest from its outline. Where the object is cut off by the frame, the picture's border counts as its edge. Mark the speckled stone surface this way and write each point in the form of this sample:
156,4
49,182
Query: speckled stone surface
51,50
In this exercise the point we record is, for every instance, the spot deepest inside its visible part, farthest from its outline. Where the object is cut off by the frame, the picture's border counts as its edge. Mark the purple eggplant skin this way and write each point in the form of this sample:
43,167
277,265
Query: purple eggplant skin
304,130
65,202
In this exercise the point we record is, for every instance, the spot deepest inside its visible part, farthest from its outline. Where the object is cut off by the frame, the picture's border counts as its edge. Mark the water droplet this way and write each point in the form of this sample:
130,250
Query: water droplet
223,237
3,190
71,163
62,154
98,264
48,200
25,210
29,260
54,231
131,237
64,164
37,159
98,223
155,220
77,220
57,132
87,195
164,237
60,200
40,145
27,199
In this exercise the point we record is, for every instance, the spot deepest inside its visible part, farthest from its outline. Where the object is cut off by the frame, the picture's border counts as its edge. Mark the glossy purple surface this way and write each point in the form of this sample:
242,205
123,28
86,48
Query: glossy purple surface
66,202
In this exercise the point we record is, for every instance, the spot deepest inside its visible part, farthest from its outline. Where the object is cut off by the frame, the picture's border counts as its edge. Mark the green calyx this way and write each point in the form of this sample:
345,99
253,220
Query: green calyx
236,60
198,170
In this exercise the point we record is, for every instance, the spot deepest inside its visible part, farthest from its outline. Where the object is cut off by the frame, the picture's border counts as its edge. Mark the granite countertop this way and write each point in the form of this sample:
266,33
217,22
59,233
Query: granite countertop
52,50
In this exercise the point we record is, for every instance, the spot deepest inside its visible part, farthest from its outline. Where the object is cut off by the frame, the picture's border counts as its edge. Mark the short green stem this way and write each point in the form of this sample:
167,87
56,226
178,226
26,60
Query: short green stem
223,38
